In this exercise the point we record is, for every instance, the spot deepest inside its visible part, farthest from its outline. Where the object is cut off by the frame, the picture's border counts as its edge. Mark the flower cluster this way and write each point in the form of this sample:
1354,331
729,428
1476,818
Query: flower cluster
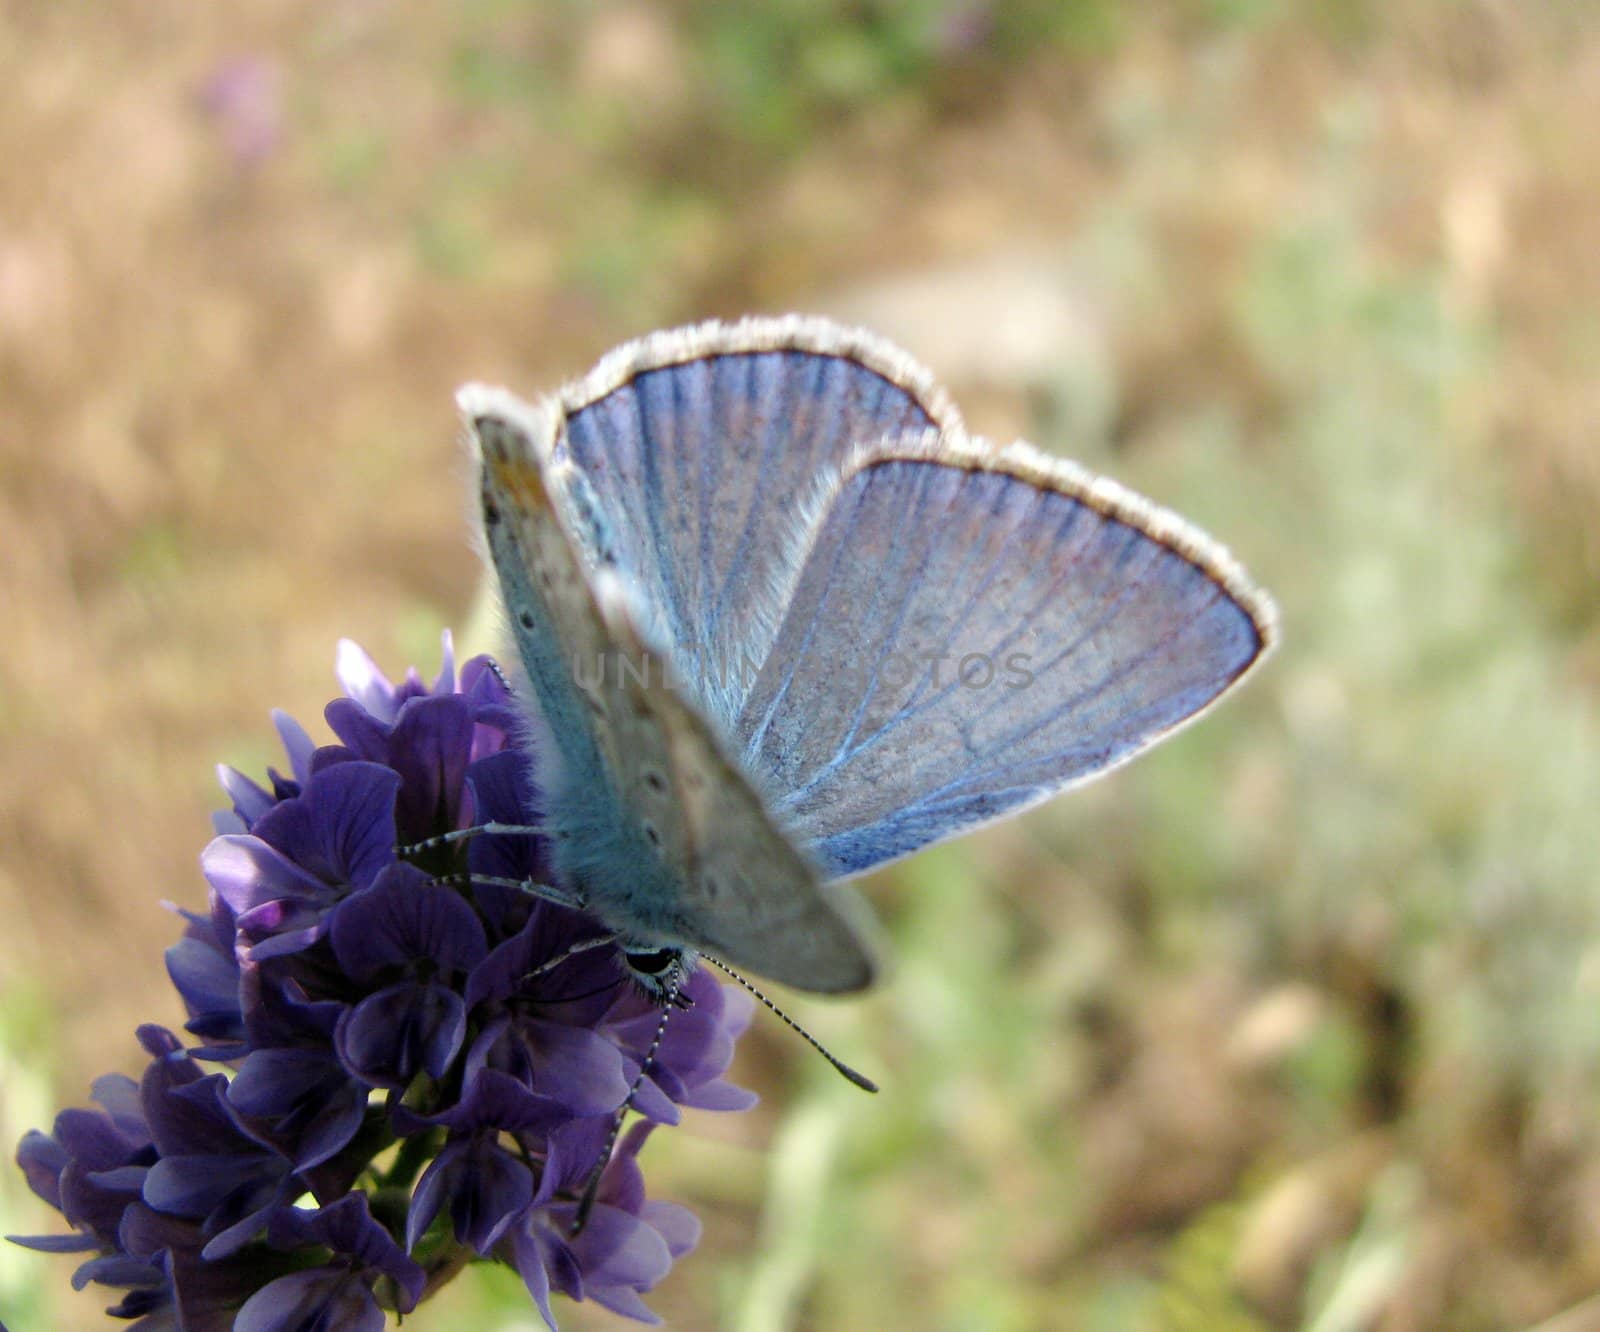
424,1060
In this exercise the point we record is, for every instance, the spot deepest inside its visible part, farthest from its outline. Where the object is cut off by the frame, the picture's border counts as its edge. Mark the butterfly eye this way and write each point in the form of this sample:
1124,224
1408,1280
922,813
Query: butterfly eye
658,972
653,963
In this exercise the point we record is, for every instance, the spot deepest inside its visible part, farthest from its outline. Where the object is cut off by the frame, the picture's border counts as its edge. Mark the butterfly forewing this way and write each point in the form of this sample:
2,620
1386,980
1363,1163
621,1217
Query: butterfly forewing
661,835
544,586
704,450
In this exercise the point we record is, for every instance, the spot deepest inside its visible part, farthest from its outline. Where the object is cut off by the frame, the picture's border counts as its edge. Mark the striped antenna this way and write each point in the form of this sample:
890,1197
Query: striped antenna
860,1079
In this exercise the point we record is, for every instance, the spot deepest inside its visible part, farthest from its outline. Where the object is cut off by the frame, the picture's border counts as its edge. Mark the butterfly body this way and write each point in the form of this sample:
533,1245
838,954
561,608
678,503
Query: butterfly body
785,621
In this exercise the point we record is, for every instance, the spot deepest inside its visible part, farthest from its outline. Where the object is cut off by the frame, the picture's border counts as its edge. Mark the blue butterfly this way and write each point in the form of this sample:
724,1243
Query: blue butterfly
785,621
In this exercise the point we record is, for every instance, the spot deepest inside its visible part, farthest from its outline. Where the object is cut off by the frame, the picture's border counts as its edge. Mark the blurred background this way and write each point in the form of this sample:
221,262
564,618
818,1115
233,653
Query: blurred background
1293,1024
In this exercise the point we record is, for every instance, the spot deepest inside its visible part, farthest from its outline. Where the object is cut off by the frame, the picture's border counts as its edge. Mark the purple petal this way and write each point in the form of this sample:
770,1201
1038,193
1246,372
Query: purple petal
193,1186
445,682
616,1248
225,823
492,1101
297,744
431,746
315,1107
504,790
527,1254
548,931
246,873
331,756
622,1185
341,828
625,1301
365,737
391,1036
678,1226
191,1117
571,1152
116,1270
485,1187
574,1066
270,1082
721,1096
73,1243
322,1297
502,1189
118,1095
250,802
650,1100
208,981
403,918
42,1160
363,681
348,1227
102,1141
277,1011
288,931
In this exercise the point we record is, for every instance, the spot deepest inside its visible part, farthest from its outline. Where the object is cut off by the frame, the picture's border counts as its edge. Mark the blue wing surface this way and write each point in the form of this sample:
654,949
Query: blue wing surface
699,455
968,636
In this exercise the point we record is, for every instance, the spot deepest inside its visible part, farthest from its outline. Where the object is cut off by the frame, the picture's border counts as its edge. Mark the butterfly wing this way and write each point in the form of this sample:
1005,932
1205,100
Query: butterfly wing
661,835
974,630
739,888
704,453
544,589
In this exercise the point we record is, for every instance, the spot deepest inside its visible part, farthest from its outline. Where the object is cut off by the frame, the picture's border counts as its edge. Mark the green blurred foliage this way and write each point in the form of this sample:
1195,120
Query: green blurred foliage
780,71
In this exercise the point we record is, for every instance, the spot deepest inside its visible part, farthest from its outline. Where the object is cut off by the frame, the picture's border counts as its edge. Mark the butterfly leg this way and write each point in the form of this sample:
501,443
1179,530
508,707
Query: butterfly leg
591,1187
408,849
549,892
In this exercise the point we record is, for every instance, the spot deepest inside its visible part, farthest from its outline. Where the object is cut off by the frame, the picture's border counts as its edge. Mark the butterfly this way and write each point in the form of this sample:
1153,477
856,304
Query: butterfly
783,621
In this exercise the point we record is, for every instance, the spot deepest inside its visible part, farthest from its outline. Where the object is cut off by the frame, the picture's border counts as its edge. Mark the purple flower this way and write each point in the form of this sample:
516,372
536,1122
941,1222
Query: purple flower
340,1292
427,938
209,1169
292,1088
91,1167
245,98
204,969
99,1168
408,1034
628,1245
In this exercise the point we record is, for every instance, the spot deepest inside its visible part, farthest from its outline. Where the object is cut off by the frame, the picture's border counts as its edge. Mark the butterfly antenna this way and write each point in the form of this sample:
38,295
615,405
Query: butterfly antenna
591,1186
860,1079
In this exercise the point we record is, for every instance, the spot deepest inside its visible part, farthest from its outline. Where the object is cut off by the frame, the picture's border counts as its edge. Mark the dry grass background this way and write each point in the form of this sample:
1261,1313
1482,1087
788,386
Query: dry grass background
248,251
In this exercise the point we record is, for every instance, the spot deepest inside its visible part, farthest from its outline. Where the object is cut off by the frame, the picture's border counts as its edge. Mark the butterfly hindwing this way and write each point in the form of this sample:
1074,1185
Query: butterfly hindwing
973,630
741,889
